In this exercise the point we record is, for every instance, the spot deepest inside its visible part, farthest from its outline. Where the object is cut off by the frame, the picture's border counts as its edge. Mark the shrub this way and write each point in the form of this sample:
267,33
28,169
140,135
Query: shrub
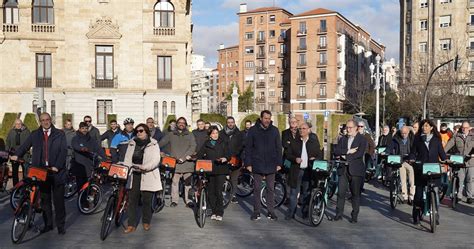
252,117
7,123
31,122
213,118
281,122
168,118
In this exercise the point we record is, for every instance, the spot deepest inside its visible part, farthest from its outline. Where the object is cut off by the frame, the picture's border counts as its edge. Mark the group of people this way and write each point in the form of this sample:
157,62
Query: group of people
259,148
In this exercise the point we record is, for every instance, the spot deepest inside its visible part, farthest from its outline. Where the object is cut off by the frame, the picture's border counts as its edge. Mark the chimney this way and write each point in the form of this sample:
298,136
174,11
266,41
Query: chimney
221,46
243,8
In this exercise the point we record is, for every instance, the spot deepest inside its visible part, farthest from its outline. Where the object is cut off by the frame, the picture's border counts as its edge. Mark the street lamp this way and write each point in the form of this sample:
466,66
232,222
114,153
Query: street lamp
377,76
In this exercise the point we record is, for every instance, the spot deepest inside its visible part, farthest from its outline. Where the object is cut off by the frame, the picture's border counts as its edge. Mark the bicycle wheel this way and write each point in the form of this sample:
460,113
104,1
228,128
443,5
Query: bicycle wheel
89,199
22,221
279,192
158,201
227,192
108,216
16,195
433,212
317,207
332,188
393,194
454,193
5,177
121,207
202,207
70,188
244,185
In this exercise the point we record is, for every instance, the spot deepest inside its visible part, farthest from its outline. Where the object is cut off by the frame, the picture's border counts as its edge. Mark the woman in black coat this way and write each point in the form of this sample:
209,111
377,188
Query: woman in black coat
216,149
427,148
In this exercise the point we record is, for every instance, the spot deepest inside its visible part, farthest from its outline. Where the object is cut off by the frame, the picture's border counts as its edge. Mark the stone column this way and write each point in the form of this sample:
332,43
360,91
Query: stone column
235,102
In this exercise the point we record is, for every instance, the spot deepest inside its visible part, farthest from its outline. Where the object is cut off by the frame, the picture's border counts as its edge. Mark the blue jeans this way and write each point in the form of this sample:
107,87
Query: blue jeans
294,194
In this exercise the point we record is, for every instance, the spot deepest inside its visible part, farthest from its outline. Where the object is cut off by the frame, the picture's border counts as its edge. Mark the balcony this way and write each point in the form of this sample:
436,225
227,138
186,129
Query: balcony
260,99
298,96
261,84
301,81
322,63
261,70
281,55
301,48
261,40
164,84
322,31
261,55
280,70
322,96
301,32
42,28
322,47
321,80
301,64
104,83
164,31
281,39
10,28
44,82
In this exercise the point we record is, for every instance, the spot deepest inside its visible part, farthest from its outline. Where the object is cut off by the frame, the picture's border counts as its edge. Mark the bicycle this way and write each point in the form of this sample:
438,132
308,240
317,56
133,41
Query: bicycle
455,163
4,170
117,202
431,171
29,204
70,187
201,168
321,177
18,190
381,165
90,194
395,163
279,191
244,183
167,165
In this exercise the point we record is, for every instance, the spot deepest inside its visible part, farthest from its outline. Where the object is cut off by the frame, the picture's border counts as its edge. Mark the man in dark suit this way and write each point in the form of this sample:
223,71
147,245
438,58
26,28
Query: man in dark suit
353,147
49,150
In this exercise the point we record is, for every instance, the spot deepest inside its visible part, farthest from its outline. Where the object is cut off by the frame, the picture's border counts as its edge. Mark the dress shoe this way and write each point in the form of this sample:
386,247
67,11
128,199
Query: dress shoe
469,201
174,204
146,226
337,218
190,205
353,220
61,231
129,229
46,229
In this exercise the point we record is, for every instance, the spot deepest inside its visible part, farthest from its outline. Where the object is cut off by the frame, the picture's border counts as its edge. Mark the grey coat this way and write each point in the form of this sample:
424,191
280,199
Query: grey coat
180,144
465,146
70,134
11,138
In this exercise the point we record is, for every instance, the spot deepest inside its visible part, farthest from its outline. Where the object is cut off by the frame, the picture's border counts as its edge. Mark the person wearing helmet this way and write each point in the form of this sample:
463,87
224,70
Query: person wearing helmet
119,143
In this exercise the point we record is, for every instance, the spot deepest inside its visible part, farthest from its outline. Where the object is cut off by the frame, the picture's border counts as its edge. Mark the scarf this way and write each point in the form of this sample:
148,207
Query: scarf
213,142
427,139
229,131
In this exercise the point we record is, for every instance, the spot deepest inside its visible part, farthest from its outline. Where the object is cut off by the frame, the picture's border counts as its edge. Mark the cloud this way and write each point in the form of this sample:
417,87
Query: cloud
206,40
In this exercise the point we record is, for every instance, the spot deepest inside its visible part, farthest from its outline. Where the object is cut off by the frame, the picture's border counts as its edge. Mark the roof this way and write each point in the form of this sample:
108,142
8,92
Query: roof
318,11
265,9
228,48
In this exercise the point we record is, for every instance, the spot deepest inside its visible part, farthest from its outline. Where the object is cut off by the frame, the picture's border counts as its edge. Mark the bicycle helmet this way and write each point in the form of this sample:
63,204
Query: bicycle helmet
128,121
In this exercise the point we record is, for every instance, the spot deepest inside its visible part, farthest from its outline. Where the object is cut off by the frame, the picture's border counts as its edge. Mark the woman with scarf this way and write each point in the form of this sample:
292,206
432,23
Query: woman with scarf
427,148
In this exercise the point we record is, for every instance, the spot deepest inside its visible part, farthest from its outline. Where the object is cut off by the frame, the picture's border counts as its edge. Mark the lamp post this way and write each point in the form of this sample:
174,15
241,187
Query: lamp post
378,75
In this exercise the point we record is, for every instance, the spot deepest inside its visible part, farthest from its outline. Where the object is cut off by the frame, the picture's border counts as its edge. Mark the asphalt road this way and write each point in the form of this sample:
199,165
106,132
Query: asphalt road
379,227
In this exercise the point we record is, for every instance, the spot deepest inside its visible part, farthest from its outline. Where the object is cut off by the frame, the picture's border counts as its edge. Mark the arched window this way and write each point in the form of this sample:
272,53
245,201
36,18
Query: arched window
173,107
43,11
10,12
53,111
155,111
164,14
165,110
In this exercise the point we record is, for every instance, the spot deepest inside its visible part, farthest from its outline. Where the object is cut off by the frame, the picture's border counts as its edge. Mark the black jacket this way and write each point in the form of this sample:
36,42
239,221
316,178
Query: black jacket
394,147
214,152
355,160
385,140
287,139
84,158
201,137
235,141
421,153
109,135
57,151
293,151
156,134
263,149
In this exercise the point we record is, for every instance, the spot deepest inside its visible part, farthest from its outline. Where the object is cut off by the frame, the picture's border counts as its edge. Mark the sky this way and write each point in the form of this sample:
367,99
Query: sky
216,21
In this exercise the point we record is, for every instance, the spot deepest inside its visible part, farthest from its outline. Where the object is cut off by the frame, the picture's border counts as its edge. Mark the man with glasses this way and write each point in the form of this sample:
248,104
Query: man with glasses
155,131
352,147
93,131
49,150
464,142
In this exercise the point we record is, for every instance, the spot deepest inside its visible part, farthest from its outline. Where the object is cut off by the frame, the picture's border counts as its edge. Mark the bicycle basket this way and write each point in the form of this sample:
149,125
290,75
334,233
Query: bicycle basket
118,171
204,166
105,165
394,159
431,169
234,161
457,159
39,174
169,162
320,166
287,163
381,150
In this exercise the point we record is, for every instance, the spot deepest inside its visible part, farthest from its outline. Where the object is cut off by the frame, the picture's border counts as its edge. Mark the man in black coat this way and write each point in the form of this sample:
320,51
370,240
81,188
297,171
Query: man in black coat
353,147
49,150
110,133
93,131
235,140
263,158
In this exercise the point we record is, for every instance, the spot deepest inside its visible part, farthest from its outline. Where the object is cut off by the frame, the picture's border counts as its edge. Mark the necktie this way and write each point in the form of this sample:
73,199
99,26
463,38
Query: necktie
45,147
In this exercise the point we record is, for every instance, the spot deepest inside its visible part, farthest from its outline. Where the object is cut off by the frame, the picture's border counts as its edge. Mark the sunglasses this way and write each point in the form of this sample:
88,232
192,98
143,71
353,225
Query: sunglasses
140,131
87,121
361,126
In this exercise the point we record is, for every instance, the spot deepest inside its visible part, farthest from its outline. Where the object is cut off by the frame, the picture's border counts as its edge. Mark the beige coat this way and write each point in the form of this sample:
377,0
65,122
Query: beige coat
151,180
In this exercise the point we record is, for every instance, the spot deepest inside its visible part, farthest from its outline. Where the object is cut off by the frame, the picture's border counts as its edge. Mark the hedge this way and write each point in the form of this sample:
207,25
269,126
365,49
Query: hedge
168,119
213,117
281,122
7,123
336,120
111,117
31,122
319,130
252,117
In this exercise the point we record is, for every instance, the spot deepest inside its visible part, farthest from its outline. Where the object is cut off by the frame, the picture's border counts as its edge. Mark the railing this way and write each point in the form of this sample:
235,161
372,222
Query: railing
322,47
260,40
10,27
261,55
164,31
301,48
281,54
301,64
281,39
43,28
44,82
104,83
164,84
298,96
322,31
301,80
261,85
261,70
260,99
322,79
320,96
301,32
322,63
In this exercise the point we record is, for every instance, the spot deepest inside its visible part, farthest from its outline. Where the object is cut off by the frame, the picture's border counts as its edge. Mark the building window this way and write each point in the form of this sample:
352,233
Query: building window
156,111
471,20
302,59
43,70
248,35
323,58
445,21
165,110
322,75
104,107
164,14
322,90
446,1
423,47
283,33
322,106
302,76
445,44
271,33
302,91
104,67
173,107
249,20
323,25
164,72
271,62
302,29
261,35
271,93
302,106
423,24
423,69
423,3
271,48
249,50
249,64
261,19
53,111
302,43
272,18
323,41
43,11
10,12
471,43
